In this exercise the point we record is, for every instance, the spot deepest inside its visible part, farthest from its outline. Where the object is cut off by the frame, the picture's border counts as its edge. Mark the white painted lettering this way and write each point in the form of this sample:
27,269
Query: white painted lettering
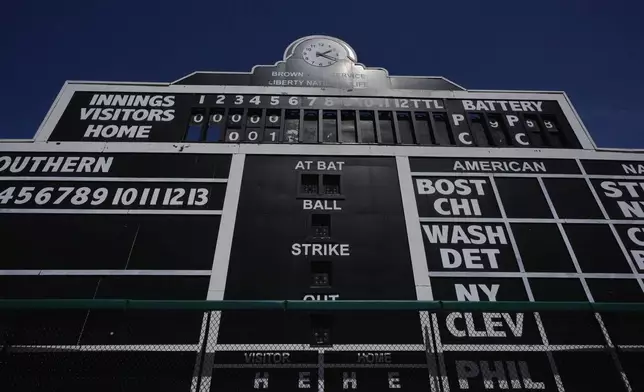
320,249
55,164
304,381
631,208
632,235
465,138
450,323
394,380
346,380
512,119
491,291
20,163
466,370
610,189
52,164
450,258
70,164
325,205
527,379
471,293
491,374
468,105
37,161
261,380
457,119
633,169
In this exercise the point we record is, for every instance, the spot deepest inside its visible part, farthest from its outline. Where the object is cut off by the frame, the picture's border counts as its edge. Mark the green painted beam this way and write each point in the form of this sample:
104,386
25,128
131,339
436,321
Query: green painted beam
288,305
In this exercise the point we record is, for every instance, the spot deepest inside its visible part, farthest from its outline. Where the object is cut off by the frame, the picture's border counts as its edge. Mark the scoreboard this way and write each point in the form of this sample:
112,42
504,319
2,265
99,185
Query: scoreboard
320,179
235,118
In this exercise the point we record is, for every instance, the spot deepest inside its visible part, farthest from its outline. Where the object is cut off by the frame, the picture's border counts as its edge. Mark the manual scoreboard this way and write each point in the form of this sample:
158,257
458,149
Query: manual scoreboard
320,179
235,118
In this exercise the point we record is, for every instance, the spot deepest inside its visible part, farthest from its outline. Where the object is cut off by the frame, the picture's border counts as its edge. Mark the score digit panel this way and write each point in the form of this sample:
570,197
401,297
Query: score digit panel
380,120
58,181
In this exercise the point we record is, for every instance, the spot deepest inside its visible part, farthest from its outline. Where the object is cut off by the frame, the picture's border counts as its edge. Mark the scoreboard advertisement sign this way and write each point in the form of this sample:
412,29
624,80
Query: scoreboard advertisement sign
320,179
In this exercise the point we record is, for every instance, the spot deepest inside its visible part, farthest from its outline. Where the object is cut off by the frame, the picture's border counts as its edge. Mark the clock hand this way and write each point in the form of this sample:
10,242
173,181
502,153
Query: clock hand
326,56
326,51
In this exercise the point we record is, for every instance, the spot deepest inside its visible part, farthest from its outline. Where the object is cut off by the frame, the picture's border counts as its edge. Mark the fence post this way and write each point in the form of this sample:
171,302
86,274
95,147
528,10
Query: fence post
203,352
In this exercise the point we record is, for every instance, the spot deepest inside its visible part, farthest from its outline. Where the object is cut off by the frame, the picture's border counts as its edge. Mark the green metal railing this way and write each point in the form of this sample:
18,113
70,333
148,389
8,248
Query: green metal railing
125,304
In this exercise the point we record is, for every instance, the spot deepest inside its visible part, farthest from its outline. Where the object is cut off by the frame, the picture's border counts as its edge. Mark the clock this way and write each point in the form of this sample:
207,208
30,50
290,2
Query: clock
322,52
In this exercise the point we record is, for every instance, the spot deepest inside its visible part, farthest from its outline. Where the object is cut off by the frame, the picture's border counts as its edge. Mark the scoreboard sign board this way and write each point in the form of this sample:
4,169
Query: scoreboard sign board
527,230
234,118
320,179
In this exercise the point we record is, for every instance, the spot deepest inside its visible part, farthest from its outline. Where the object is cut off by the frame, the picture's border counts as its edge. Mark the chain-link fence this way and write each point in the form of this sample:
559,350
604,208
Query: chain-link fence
120,345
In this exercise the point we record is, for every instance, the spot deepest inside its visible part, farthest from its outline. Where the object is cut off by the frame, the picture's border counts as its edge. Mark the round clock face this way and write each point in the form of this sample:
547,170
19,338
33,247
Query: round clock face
323,52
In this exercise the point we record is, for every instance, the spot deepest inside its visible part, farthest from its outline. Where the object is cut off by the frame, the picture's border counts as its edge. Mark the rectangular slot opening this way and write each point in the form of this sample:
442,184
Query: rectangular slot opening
310,129
272,125
442,130
555,135
330,126
405,128
479,132
253,135
424,129
215,131
321,274
367,127
331,184
498,132
273,118
272,135
387,135
235,117
195,126
348,126
321,325
534,131
309,184
254,118
321,226
292,126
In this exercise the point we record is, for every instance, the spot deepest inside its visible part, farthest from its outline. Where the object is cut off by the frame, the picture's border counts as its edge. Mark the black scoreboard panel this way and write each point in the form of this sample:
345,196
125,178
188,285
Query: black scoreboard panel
539,230
243,118
324,228
78,225
126,242
319,228
136,370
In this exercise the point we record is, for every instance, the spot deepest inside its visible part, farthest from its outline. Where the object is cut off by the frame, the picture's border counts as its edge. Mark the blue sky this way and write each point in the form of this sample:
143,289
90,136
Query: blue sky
593,50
